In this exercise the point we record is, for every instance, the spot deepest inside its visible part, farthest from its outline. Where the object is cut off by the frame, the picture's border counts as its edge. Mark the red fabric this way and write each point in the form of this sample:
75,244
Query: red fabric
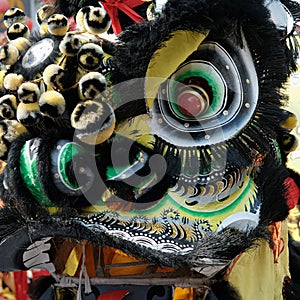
4,6
38,273
113,295
21,285
292,193
112,6
29,23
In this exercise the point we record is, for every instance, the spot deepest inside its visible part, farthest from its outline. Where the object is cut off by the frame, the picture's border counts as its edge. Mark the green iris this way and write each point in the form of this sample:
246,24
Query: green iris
198,74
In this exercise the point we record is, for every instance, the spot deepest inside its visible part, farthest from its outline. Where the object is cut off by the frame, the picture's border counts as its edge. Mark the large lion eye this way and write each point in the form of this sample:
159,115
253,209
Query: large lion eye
210,97
197,91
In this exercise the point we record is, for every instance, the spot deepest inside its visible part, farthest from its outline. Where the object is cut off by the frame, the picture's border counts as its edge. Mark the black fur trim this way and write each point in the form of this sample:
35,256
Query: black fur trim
274,203
46,174
224,291
291,291
294,259
17,195
219,247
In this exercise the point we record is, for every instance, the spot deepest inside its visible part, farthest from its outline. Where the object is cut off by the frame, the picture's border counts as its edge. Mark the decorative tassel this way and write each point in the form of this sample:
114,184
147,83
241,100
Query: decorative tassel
83,273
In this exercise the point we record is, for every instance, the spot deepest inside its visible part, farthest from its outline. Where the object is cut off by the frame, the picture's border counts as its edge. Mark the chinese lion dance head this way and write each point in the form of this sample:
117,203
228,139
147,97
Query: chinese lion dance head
168,143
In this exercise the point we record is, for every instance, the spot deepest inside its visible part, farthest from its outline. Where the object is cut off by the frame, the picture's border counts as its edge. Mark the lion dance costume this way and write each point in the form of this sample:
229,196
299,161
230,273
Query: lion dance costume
151,166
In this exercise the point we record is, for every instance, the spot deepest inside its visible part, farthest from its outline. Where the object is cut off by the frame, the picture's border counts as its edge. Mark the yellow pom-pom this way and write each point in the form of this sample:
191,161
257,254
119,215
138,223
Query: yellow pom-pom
53,77
52,104
28,114
44,12
9,131
93,19
13,81
14,129
290,121
28,92
58,25
18,30
91,85
90,56
44,28
70,44
8,106
79,19
9,54
14,15
2,76
289,142
21,43
94,122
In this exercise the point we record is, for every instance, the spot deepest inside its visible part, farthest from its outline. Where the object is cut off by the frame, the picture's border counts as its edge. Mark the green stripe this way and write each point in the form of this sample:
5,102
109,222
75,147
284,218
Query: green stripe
66,155
29,173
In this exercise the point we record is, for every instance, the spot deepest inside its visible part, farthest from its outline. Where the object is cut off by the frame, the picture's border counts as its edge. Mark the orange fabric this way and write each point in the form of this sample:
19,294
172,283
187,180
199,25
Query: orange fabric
113,256
183,294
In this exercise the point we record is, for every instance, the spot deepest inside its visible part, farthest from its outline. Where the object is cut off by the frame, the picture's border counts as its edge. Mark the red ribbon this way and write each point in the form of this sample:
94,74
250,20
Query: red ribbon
112,6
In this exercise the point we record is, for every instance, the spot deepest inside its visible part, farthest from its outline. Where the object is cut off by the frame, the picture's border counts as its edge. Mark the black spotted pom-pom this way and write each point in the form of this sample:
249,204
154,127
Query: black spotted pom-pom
52,104
53,76
94,121
90,56
92,19
17,30
58,25
28,92
8,106
9,54
91,85
14,15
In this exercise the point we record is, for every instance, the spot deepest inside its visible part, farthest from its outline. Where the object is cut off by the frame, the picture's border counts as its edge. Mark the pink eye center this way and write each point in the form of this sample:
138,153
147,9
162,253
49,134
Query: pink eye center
193,102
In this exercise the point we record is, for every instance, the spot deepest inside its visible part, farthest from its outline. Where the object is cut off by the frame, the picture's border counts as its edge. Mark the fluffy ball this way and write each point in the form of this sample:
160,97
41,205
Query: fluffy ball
53,77
28,114
90,56
9,54
2,76
14,15
71,44
17,30
94,122
28,92
91,85
8,106
9,131
93,19
52,104
79,18
44,12
21,43
12,81
58,24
